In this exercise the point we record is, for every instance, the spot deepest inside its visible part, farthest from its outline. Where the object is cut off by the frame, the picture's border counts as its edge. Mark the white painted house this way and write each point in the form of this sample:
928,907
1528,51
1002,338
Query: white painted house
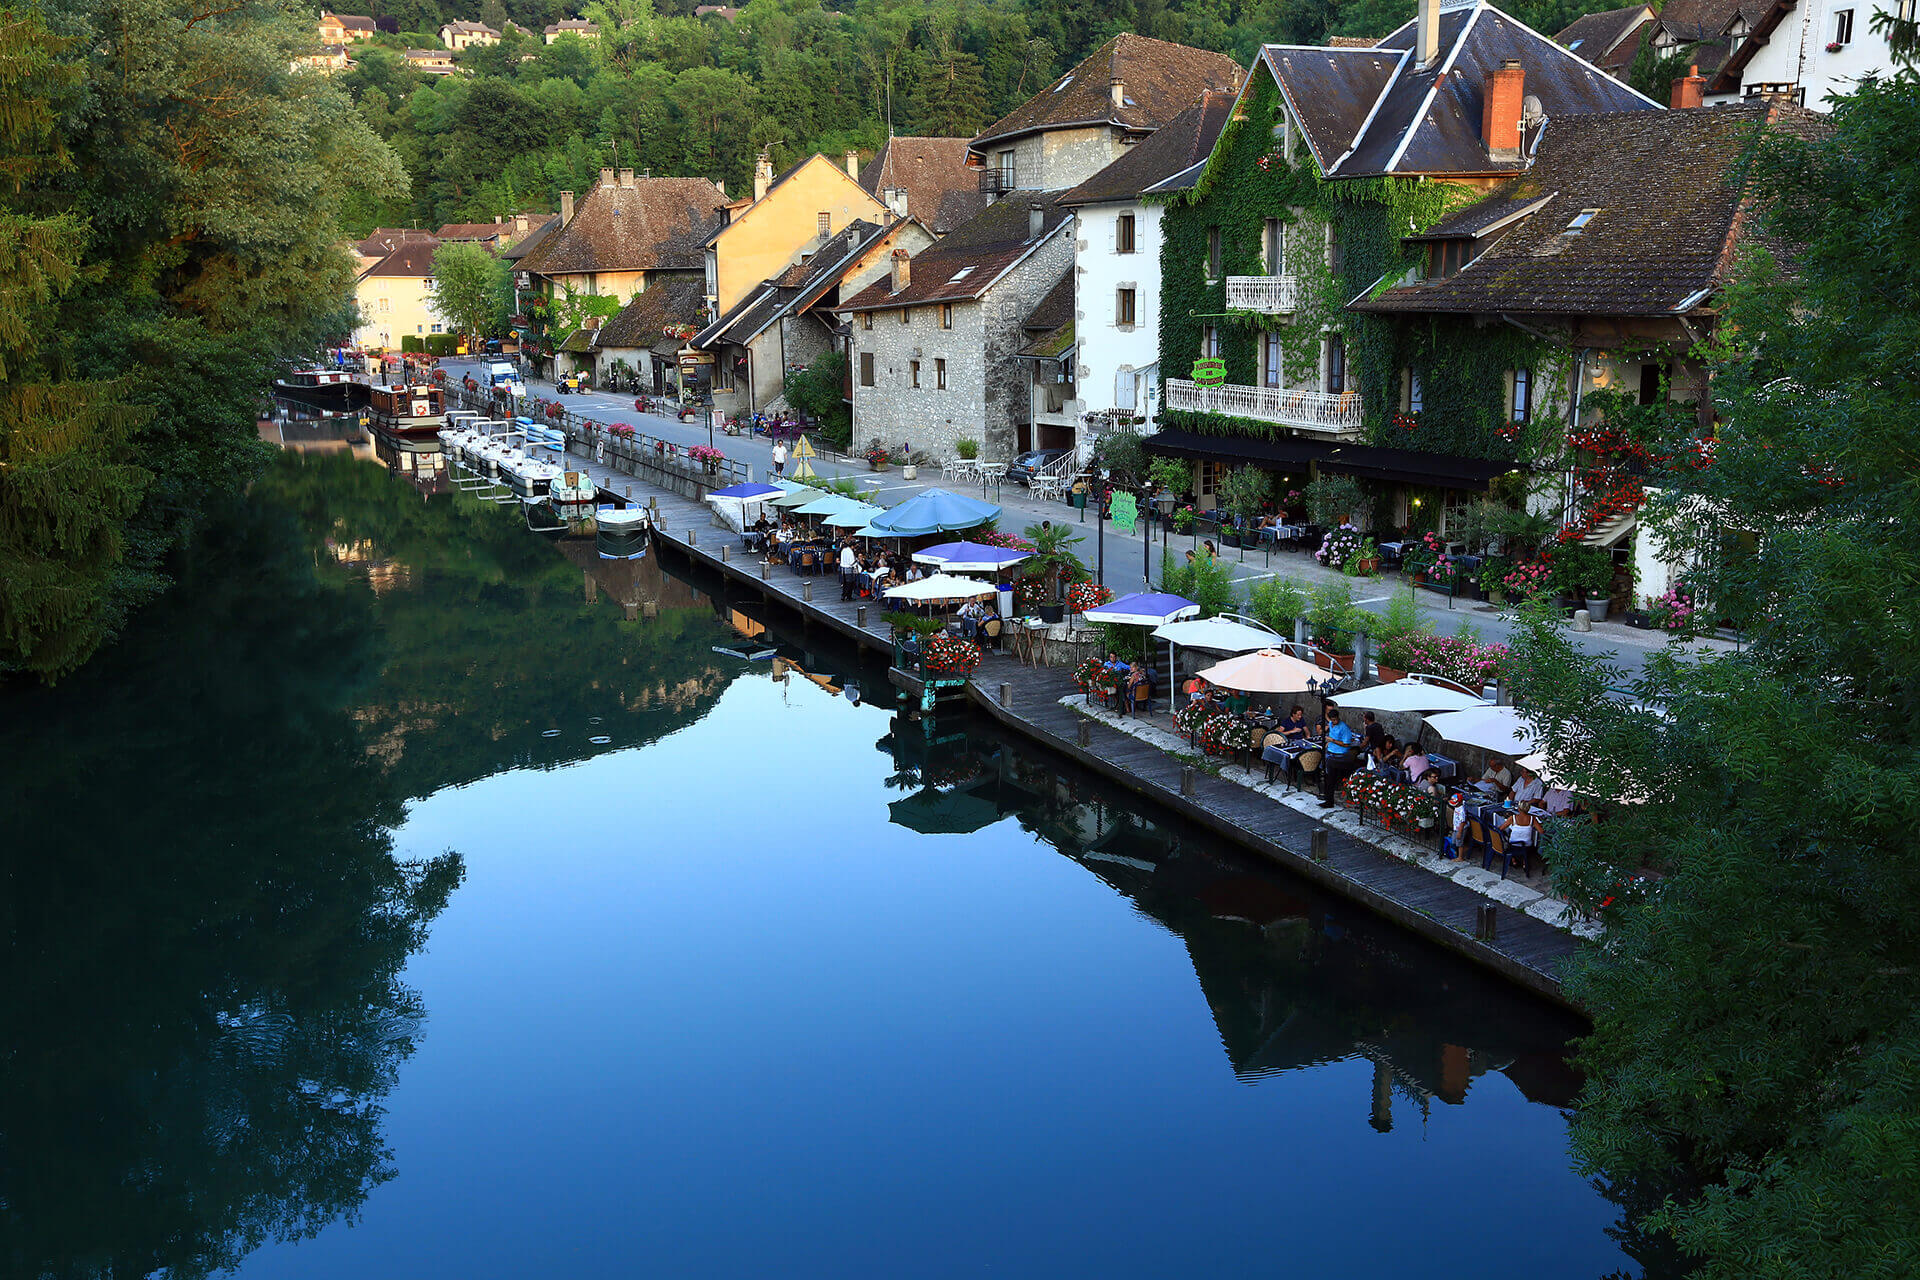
1802,51
1117,271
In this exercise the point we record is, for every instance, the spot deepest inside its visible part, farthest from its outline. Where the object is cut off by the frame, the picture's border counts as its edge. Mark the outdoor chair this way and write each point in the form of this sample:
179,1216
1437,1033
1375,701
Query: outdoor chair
1474,837
990,632
1307,766
1497,848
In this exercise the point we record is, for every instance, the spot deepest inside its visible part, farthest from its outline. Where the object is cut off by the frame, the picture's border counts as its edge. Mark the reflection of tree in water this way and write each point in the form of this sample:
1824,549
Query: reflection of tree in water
1293,978
204,923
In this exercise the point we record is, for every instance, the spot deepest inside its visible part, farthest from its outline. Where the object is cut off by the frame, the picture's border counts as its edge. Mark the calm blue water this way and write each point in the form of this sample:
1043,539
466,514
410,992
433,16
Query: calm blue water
333,922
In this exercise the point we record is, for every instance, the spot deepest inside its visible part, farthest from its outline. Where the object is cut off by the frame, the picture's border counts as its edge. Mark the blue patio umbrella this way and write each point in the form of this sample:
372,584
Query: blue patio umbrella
1143,609
752,491
935,511
969,557
826,504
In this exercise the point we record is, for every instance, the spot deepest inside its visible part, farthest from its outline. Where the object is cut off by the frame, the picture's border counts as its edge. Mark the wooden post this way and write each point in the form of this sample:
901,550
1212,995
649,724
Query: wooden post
806,591
1006,693
1317,844
691,539
1186,779
763,571
1485,928
1085,734
860,615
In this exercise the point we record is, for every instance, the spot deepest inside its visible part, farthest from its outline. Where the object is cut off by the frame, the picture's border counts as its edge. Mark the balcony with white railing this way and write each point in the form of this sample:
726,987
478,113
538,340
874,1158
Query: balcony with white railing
1268,295
1332,414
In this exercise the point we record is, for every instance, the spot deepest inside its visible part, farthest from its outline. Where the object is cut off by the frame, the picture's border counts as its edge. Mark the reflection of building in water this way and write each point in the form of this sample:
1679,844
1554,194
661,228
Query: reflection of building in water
300,428
419,460
641,587
1292,979
382,572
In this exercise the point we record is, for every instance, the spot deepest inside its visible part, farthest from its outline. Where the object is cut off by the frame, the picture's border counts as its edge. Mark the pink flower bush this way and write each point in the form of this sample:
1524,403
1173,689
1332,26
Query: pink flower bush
1466,662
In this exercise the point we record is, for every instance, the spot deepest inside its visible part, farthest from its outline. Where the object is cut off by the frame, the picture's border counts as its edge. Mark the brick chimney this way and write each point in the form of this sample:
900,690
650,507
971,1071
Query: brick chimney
520,224
626,179
566,207
762,177
606,177
1688,90
1036,221
1500,110
1117,91
1426,33
852,161
902,272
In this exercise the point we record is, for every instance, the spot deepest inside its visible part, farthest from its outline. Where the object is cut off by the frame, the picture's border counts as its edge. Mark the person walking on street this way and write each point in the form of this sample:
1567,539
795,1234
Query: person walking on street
779,457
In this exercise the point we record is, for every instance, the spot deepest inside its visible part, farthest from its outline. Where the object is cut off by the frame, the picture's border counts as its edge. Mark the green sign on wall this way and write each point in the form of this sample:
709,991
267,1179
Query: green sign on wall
1210,371
1124,511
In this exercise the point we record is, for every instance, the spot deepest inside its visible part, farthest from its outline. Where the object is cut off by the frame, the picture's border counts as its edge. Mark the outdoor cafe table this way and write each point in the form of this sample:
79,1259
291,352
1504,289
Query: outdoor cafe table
1287,755
1445,766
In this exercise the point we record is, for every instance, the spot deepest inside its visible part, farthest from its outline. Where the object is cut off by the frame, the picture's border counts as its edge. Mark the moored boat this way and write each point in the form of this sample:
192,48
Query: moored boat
405,410
332,388
621,533
572,495
528,476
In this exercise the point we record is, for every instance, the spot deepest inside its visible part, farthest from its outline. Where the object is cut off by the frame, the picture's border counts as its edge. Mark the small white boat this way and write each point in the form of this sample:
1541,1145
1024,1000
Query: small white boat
572,495
621,533
529,477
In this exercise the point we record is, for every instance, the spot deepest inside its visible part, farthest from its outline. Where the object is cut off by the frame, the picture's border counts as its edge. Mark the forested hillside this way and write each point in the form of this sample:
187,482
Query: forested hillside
675,93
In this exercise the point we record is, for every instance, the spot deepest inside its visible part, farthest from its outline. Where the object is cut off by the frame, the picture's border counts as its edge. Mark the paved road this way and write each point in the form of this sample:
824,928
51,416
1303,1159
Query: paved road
1125,557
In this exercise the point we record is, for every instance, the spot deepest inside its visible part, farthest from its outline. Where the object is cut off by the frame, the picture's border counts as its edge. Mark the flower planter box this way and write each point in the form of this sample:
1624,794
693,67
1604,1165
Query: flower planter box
1340,662
1389,674
1052,613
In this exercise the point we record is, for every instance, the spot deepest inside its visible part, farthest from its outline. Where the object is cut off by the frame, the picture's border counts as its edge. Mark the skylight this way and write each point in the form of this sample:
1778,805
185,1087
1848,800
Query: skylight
961,274
1580,222
1065,80
1576,44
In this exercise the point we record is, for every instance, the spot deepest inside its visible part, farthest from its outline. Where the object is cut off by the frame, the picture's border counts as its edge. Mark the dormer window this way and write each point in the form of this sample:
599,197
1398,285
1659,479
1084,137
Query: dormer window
1580,221
1446,257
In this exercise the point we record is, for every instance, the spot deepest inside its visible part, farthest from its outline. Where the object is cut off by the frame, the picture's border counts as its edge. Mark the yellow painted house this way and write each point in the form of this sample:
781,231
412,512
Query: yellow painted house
788,215
395,297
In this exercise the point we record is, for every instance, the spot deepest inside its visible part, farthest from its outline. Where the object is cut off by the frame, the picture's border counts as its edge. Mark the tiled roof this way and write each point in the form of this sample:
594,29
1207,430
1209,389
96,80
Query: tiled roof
1051,323
1158,79
385,240
535,237
1479,218
474,230
1704,23
1352,42
352,21
677,298
461,28
409,258
1603,38
1427,120
941,191
967,262
1665,223
796,288
579,25
655,224
1176,147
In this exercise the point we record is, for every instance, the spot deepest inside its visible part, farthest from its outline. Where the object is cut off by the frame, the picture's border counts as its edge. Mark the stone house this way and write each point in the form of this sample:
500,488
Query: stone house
649,333
933,346
1261,254
760,238
465,35
1052,409
1610,40
330,60
1116,367
788,322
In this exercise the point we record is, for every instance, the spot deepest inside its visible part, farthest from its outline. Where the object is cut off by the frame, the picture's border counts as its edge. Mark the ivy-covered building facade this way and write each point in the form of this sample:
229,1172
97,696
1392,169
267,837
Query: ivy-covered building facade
1314,200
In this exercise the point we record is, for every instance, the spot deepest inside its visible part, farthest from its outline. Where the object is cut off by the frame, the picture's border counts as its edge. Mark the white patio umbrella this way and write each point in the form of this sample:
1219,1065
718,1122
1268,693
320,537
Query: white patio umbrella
1222,635
1267,671
1501,730
1408,695
940,587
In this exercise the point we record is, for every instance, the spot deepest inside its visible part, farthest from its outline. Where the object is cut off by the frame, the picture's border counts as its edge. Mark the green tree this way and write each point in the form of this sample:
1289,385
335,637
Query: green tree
817,392
473,289
1753,1076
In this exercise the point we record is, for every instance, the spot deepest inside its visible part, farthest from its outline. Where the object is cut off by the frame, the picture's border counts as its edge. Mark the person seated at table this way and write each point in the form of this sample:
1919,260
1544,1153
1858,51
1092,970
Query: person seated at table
1344,756
969,616
1294,727
1372,731
1427,783
1529,792
1387,756
1497,780
1558,801
1415,762
913,574
879,574
1139,686
1523,836
1195,688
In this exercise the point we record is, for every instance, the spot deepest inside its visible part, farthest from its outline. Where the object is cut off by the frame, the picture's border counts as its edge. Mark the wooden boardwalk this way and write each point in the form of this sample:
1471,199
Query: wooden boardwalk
1527,951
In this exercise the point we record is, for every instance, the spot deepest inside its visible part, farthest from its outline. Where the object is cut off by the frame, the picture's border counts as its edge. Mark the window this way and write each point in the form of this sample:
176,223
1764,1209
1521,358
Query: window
946,315
824,223
1336,364
1653,378
1213,253
419,329
906,315
1123,233
1273,246
1415,398
1580,221
1843,27
866,321
1270,360
1522,394
940,373
866,368
384,305
1336,255
1446,257
435,328
1209,341
913,373
1123,313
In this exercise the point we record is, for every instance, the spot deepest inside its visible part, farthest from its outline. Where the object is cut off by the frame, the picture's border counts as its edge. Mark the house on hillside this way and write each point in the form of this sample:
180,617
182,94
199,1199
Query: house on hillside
1264,249
1781,49
346,28
394,295
1609,40
789,322
572,27
934,345
1089,117
624,236
1117,281
465,35
926,179
434,62
331,59
1608,255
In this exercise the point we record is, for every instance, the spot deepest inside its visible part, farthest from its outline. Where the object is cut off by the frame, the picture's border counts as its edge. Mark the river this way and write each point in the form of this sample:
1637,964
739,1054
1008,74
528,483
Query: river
408,894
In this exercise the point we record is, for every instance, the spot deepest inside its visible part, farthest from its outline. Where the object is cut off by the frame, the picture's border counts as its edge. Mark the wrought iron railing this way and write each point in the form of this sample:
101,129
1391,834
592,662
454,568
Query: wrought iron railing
1268,295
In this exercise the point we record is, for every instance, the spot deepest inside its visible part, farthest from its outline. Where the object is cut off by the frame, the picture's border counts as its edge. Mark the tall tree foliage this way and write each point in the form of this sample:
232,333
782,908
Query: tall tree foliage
1754,1072
472,288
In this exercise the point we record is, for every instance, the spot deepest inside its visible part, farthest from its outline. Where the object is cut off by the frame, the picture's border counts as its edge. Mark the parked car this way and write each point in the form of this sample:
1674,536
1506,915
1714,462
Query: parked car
1024,466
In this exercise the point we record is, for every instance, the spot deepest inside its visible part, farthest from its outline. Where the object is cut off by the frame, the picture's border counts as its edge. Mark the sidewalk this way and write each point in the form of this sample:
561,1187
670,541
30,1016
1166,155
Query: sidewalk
1128,563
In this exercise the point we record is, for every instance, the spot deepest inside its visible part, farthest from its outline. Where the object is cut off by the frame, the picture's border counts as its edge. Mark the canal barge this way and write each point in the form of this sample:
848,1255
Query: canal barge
402,410
335,389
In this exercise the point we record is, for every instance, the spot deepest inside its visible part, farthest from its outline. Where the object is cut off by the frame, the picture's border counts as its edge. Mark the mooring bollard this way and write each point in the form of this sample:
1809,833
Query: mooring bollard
860,615
1582,620
690,537
1484,926
629,493
726,553
806,591
1317,844
1085,735
763,571
1186,779
1006,693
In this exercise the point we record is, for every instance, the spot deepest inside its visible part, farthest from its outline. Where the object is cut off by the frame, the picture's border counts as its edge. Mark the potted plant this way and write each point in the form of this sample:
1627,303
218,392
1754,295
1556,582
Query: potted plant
949,656
1190,720
1183,520
1169,478
1395,657
876,455
1364,561
1338,546
1053,560
708,457
1082,596
1245,490
967,449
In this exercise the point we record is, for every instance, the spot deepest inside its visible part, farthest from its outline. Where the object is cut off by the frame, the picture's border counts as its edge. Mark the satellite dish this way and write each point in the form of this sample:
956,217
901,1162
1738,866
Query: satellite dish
1531,112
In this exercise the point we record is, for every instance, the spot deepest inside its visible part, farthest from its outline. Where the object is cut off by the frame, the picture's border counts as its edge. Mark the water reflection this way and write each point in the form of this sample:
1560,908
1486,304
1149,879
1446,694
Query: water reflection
1293,977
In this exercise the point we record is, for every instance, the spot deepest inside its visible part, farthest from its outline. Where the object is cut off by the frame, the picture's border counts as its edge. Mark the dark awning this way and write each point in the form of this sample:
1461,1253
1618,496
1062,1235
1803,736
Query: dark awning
1286,453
